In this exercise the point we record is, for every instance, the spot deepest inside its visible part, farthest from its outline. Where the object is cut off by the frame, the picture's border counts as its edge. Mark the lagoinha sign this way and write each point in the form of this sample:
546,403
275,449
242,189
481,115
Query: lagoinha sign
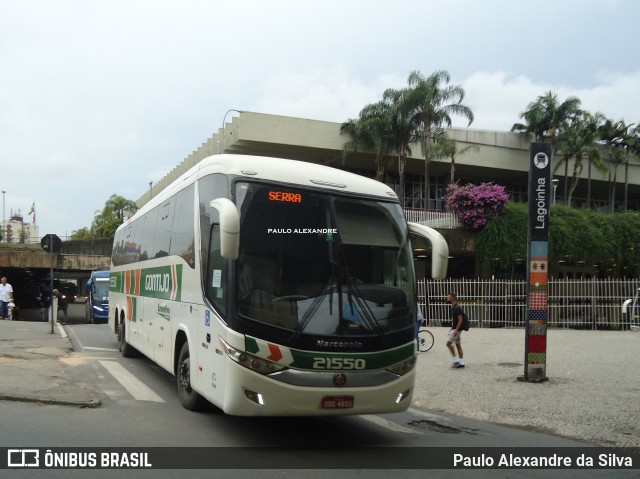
540,195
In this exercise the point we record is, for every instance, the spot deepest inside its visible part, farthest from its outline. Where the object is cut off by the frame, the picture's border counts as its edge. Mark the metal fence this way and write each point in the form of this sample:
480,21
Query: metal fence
434,219
587,304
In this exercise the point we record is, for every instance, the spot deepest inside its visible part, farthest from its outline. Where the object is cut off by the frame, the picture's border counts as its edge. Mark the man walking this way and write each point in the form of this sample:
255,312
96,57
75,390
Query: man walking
6,297
457,321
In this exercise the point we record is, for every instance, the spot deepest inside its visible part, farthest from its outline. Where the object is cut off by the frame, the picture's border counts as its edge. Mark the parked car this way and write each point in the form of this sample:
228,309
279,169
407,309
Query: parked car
69,292
33,295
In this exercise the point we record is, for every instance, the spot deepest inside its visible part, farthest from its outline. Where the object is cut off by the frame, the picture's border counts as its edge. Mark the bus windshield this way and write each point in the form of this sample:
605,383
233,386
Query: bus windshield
322,264
101,289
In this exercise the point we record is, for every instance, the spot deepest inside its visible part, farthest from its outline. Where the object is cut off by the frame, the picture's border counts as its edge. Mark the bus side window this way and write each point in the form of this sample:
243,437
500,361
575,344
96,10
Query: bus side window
217,273
182,234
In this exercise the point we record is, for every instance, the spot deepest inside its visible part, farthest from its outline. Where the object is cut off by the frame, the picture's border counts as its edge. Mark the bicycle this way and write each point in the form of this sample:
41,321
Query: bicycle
425,339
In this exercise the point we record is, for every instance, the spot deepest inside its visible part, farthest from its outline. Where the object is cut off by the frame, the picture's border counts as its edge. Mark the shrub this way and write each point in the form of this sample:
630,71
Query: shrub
475,205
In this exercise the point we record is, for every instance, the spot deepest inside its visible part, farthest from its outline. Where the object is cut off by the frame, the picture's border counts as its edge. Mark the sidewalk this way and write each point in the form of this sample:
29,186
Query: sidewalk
593,392
30,366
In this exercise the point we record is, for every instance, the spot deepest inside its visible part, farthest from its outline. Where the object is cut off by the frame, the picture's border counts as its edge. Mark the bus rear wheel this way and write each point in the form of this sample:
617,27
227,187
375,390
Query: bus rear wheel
126,349
189,399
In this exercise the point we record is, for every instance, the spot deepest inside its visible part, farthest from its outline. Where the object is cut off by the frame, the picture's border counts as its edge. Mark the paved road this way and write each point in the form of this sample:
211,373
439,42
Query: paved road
593,394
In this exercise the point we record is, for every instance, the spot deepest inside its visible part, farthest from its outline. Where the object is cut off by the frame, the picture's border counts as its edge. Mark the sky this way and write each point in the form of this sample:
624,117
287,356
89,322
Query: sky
102,97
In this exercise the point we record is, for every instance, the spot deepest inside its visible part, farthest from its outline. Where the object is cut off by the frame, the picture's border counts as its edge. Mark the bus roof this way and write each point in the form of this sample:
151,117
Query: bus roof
294,172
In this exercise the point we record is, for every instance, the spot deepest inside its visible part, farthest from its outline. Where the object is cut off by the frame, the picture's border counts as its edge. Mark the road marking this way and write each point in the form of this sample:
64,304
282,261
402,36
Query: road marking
385,423
133,385
61,330
100,349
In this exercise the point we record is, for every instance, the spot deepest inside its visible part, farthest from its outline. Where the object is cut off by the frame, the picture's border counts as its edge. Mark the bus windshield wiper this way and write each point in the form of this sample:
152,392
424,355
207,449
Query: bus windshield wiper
308,315
361,304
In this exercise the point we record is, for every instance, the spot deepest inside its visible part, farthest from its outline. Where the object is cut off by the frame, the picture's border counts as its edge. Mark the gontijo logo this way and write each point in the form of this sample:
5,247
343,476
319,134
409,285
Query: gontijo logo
163,282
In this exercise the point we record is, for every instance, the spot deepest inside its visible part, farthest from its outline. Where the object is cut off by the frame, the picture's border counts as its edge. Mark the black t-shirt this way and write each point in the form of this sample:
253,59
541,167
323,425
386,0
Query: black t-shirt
455,312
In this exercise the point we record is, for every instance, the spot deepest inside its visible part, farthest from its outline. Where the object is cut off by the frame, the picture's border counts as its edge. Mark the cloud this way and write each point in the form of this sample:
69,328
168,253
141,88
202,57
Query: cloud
498,99
618,97
329,94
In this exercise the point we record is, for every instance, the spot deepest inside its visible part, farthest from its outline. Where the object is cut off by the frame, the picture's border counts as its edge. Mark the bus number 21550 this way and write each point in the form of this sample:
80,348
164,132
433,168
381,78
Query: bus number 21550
339,363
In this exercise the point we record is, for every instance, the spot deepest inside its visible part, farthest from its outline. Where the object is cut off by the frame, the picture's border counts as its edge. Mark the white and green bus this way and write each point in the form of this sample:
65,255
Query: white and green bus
273,287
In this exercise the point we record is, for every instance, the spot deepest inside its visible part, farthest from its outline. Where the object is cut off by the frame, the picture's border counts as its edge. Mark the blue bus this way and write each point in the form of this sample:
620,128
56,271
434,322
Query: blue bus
97,306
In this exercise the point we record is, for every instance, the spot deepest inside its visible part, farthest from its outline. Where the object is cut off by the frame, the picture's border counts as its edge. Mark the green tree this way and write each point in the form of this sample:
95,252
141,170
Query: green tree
633,145
447,148
371,132
576,235
616,140
82,233
434,102
403,130
106,222
544,119
577,140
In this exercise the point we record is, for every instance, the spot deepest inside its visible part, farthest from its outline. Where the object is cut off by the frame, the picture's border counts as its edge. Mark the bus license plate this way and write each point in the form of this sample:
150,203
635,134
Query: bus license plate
337,402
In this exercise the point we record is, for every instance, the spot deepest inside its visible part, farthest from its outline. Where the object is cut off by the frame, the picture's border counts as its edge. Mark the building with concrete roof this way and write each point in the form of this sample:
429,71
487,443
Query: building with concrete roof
500,157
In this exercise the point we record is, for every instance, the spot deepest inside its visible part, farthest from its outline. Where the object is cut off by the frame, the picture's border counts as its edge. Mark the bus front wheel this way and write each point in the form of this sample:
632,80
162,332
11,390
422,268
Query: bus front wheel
188,397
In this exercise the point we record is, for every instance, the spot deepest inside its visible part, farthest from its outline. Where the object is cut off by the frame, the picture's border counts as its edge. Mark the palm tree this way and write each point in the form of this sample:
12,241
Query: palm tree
544,119
434,101
633,145
445,147
371,132
578,140
616,140
403,130
106,222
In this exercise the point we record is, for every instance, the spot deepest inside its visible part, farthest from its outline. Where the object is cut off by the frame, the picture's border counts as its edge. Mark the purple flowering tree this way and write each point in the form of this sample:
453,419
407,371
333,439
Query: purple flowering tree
474,205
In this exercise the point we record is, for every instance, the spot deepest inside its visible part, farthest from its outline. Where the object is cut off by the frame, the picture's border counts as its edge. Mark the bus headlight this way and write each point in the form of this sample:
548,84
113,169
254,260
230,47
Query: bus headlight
404,367
249,361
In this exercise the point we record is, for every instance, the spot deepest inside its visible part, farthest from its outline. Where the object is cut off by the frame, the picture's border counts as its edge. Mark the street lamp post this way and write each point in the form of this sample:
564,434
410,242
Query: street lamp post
224,119
555,182
3,218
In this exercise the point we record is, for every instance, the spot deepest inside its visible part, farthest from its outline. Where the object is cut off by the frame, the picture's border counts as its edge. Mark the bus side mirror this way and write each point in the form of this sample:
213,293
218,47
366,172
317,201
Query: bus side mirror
229,227
439,249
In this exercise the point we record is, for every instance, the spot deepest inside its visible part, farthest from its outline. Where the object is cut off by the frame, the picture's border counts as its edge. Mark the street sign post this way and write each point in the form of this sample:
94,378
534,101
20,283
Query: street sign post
540,195
51,243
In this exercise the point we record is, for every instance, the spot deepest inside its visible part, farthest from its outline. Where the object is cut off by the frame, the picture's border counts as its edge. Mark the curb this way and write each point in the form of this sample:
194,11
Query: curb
93,402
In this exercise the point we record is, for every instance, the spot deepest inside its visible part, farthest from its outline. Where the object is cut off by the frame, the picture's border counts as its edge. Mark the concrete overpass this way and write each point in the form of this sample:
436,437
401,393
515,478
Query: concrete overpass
32,257
27,266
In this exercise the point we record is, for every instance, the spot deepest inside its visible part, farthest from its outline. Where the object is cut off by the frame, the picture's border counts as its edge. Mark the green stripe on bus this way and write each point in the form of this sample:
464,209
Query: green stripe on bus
162,282
116,282
375,360
251,345
322,360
